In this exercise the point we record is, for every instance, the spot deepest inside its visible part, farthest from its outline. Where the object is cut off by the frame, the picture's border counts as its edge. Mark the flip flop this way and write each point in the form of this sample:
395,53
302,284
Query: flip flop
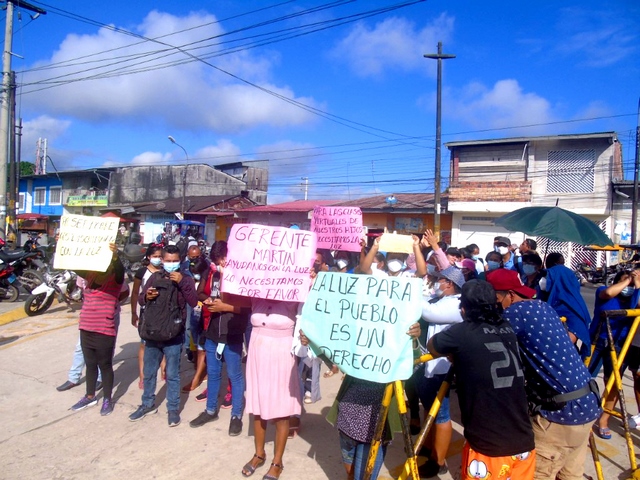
602,432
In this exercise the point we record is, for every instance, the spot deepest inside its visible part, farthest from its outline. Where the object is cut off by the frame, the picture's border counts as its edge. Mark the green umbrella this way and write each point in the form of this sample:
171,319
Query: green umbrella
556,224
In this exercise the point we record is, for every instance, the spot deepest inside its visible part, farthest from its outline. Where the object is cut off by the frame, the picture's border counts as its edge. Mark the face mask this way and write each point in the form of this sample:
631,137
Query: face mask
342,263
528,269
171,266
491,265
394,265
437,290
196,276
431,270
627,291
155,261
501,250
476,257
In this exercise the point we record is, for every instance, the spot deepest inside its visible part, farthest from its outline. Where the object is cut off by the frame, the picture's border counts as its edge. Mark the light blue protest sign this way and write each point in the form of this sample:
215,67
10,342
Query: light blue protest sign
360,323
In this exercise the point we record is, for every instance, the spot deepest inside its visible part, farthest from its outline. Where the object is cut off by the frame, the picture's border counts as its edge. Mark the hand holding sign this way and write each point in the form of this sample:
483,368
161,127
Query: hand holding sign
338,228
393,242
85,243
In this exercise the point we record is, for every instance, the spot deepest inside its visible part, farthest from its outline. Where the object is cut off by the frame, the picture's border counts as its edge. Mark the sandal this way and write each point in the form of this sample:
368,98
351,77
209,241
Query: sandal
271,477
293,431
602,432
250,469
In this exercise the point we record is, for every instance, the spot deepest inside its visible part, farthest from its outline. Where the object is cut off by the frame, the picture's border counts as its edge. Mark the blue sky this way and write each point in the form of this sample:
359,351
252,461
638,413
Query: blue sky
362,122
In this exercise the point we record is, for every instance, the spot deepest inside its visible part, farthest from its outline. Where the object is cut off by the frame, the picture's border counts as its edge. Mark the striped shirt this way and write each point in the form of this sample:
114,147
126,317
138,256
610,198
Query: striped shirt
101,305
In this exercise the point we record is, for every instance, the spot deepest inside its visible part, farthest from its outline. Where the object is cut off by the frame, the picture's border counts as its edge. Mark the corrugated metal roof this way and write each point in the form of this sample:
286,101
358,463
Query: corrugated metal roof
578,136
295,206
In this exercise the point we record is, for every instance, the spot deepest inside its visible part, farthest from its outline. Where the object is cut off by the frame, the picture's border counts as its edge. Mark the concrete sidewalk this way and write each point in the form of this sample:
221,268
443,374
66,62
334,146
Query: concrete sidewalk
42,439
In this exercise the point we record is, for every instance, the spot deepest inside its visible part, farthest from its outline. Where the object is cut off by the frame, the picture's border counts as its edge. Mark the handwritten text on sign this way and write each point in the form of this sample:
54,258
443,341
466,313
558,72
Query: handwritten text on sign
338,228
360,323
269,262
84,243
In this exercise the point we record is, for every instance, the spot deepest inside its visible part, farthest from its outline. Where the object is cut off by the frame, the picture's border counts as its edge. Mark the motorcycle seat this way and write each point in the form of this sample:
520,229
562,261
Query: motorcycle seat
12,255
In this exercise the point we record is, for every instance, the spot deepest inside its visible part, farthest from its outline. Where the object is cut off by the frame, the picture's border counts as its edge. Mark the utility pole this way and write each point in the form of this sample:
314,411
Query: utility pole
12,224
436,198
636,172
184,173
306,186
5,112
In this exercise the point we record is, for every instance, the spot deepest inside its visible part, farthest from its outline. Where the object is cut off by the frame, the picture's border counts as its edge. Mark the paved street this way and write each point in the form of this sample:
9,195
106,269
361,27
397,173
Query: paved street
42,439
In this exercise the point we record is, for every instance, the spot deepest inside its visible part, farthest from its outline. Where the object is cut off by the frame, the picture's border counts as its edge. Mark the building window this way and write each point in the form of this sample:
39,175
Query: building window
21,201
55,196
39,196
571,171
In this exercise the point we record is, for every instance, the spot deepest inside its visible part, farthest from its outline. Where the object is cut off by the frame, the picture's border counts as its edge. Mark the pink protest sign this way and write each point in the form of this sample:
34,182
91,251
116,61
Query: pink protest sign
269,262
338,228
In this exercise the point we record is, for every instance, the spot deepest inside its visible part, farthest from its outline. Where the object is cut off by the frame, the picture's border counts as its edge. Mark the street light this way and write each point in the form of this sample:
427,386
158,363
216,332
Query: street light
184,172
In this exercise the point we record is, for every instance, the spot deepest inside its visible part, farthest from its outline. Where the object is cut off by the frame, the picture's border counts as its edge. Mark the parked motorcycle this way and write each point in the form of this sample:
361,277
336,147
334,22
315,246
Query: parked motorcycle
8,290
27,267
62,284
587,273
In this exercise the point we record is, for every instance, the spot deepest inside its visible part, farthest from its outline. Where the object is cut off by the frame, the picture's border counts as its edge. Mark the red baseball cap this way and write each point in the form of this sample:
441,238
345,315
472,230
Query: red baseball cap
504,280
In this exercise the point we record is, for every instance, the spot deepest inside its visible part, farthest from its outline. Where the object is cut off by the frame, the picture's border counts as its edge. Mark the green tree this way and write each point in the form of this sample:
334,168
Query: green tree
27,168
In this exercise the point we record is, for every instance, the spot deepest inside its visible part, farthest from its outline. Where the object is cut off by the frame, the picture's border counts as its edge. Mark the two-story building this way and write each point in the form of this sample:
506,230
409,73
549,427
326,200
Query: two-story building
489,178
81,192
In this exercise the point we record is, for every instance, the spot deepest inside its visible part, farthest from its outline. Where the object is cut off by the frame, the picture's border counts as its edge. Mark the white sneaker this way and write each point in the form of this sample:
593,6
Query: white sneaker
307,397
634,422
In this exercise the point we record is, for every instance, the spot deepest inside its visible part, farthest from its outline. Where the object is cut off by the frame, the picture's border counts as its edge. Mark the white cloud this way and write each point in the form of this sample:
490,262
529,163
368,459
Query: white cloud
191,95
145,158
596,38
501,106
394,43
224,151
43,126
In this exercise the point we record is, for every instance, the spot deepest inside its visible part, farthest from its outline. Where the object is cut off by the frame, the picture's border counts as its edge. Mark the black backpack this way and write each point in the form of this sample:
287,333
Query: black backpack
161,318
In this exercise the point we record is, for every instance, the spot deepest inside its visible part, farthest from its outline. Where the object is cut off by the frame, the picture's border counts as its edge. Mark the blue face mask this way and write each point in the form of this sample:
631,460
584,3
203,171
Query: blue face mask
528,269
476,257
627,291
491,265
155,261
171,266
431,270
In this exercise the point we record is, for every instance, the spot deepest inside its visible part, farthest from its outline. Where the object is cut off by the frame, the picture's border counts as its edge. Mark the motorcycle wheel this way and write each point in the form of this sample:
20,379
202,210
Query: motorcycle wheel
37,304
609,279
30,279
11,293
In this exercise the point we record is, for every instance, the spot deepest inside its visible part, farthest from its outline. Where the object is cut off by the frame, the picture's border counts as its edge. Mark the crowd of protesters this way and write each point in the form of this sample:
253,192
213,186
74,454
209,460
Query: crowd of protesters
512,325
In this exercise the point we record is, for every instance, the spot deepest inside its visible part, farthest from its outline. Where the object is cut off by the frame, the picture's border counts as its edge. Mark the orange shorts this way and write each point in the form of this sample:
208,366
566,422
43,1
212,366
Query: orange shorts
516,467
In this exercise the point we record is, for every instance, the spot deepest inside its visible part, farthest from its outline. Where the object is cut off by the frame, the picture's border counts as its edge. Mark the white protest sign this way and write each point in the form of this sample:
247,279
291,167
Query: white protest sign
393,242
338,228
84,243
269,262
360,323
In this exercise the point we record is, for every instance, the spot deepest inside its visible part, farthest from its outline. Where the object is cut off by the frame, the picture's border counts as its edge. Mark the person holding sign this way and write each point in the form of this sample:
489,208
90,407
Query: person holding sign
491,392
396,261
98,329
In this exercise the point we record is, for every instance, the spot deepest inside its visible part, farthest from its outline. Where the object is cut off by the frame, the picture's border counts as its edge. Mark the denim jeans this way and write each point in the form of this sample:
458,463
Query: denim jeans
75,372
357,453
233,359
153,353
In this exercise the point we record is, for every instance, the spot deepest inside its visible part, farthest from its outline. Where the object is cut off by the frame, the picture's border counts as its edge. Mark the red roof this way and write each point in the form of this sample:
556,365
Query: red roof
296,206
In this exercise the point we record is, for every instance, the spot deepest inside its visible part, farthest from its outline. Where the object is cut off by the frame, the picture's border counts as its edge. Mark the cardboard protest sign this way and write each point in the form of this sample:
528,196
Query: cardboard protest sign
360,323
84,243
393,242
269,262
338,228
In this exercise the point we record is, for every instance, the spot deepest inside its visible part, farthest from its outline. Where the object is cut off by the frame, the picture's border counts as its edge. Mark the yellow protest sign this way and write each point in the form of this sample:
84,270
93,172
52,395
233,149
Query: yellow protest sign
392,242
84,243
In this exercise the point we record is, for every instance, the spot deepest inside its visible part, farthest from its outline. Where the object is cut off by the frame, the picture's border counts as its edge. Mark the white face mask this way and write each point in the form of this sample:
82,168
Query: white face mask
395,265
437,289
502,250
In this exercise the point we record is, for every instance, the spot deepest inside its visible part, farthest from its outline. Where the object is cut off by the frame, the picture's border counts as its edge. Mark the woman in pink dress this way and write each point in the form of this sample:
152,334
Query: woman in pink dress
273,387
